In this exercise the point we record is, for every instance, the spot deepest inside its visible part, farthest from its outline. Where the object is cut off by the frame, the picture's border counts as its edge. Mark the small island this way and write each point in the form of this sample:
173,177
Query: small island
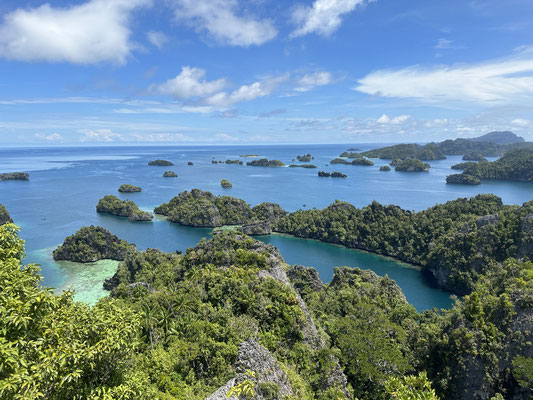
170,174
363,161
427,152
161,163
15,176
127,188
463,179
113,205
263,162
462,165
340,161
412,165
349,154
474,156
249,155
354,149
225,183
385,168
238,162
305,158
190,163
302,166
5,218
324,174
91,244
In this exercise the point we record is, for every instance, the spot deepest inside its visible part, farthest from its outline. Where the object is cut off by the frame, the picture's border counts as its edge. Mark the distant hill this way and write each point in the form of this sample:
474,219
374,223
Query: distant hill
499,137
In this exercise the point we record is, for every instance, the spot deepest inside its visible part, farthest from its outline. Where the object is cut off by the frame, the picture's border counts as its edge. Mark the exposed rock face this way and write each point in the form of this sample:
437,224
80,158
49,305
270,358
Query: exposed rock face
5,218
256,358
91,244
140,216
305,279
15,176
258,228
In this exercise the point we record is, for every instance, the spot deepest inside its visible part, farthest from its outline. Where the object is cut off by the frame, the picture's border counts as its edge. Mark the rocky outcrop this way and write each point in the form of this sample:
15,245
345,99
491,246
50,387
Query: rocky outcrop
5,218
257,228
127,188
161,163
91,244
269,212
270,381
15,176
170,174
305,280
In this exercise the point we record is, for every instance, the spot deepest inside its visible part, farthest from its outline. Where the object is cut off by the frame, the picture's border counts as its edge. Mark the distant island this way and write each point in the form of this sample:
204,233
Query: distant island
305,158
190,163
15,176
515,165
263,162
324,174
113,205
161,163
360,160
302,166
249,155
91,244
427,152
170,174
238,162
474,156
127,188
225,183
412,165
363,161
384,168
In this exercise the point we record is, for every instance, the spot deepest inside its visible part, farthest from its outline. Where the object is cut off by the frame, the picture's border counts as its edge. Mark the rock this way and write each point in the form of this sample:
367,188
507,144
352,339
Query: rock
170,174
258,228
15,176
305,280
127,188
190,163
5,218
269,212
161,163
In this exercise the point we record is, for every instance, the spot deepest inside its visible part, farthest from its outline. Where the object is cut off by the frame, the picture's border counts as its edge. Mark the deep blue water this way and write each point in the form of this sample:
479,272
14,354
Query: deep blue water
66,184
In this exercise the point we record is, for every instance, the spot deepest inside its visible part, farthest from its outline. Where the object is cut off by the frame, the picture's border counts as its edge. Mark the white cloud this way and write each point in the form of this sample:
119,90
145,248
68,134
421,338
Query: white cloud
323,17
189,83
218,17
384,119
247,92
443,44
54,137
309,81
101,135
500,81
108,136
224,137
521,122
88,33
158,39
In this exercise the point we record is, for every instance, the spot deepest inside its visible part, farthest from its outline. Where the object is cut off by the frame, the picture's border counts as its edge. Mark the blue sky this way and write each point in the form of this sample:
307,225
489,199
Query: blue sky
263,71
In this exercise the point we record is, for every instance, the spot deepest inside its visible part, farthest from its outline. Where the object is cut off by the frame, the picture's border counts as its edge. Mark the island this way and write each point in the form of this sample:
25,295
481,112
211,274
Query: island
161,163
249,155
305,158
474,156
5,218
113,205
514,165
15,176
170,174
348,154
225,183
462,165
324,174
91,244
127,188
302,166
427,152
354,149
190,163
463,179
363,161
412,165
263,162
340,161
384,168
238,162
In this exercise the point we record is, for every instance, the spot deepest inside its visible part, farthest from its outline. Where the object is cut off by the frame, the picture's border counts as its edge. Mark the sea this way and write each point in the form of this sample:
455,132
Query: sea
67,182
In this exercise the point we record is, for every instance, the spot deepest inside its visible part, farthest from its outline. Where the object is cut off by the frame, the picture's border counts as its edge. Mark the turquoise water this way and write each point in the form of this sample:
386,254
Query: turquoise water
66,184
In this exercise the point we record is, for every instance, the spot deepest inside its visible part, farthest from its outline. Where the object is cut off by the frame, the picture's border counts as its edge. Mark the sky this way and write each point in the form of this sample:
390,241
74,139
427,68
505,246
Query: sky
86,72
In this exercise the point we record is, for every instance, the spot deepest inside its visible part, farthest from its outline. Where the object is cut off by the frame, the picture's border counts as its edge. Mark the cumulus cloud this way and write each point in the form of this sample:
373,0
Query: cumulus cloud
108,136
158,39
443,44
500,81
521,122
309,81
89,33
323,17
247,92
101,135
220,20
54,137
384,119
189,83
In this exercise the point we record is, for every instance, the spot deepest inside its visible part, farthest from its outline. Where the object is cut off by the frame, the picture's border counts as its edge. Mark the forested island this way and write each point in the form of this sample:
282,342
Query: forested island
123,208
263,162
305,158
334,174
127,188
15,176
360,160
230,315
411,165
474,156
515,165
169,174
303,166
427,152
161,163
225,183
91,244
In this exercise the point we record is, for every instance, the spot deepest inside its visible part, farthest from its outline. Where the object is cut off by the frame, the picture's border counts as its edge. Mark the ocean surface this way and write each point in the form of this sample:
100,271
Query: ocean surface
66,184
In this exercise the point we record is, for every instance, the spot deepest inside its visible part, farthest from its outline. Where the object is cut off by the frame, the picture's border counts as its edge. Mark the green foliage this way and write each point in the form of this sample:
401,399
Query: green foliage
412,165
4,215
514,165
305,158
463,179
523,371
263,162
113,205
412,387
91,244
426,153
244,389
225,183
127,188
169,174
